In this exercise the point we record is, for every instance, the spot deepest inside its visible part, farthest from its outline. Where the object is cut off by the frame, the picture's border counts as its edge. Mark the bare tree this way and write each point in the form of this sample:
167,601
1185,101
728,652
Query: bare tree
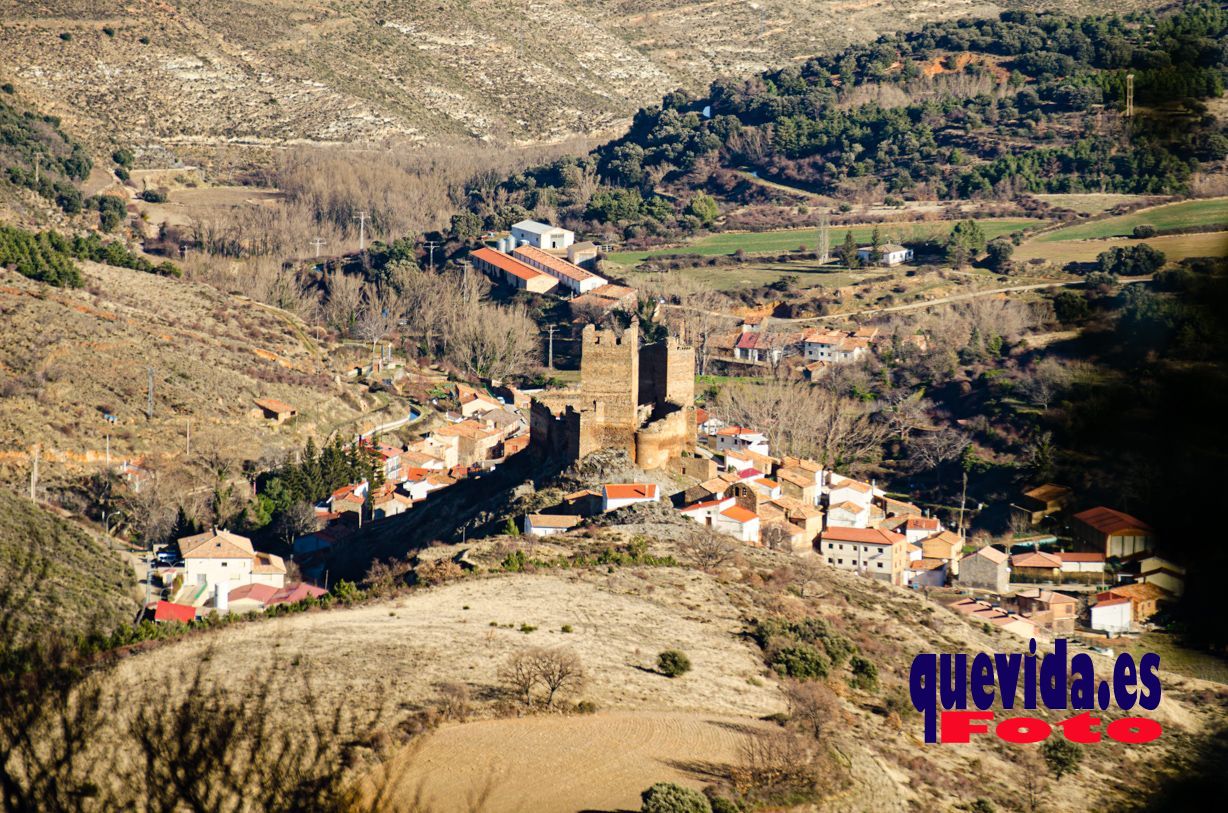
495,342
519,673
298,519
776,536
559,670
813,705
707,549
931,449
1045,380
344,298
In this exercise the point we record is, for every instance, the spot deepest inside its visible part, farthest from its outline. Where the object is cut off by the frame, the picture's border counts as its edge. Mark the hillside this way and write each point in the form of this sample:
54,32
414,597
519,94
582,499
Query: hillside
200,81
54,576
434,655
70,356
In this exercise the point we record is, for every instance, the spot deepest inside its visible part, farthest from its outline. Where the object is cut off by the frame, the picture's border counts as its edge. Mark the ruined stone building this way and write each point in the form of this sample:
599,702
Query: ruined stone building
639,399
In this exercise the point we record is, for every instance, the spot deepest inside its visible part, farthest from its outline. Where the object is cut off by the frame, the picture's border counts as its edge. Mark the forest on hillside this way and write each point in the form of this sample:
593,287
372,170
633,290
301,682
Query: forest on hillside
962,109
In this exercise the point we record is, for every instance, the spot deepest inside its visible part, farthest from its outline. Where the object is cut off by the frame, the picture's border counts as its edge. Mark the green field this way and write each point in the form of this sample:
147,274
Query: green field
789,239
1168,216
1088,203
755,274
1175,247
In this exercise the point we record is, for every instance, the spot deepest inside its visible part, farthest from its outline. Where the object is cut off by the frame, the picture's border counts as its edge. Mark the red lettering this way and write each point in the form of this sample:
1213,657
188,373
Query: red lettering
1081,728
1023,730
958,725
1134,730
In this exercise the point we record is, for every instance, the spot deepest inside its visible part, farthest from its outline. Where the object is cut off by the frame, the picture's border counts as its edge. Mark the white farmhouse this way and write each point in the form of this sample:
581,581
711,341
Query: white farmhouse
549,524
741,439
889,254
541,235
225,561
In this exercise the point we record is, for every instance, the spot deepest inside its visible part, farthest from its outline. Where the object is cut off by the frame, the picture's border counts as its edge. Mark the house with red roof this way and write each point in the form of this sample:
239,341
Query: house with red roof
511,272
169,611
874,552
617,495
1112,615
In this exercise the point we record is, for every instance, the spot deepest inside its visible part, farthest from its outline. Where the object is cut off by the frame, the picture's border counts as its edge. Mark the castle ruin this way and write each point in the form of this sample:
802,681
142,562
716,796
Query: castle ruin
638,399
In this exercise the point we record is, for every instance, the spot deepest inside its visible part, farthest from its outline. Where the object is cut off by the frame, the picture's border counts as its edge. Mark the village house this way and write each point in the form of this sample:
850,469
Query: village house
873,551
1036,565
1114,533
1042,501
1144,598
438,453
985,569
706,423
799,484
1053,611
740,523
766,488
549,524
763,348
387,501
509,271
276,411
167,611
475,442
222,560
1112,615
572,277
742,439
475,402
945,547
1081,562
913,526
749,461
926,573
605,300
848,514
618,495
1164,574
541,235
834,346
348,498
846,489
889,254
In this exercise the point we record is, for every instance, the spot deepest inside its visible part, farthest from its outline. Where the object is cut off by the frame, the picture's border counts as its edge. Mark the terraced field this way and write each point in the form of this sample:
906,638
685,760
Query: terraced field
1189,213
790,239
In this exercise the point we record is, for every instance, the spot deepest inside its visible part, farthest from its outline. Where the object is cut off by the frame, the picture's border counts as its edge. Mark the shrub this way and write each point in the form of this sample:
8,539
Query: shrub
1070,307
566,628
67,37
586,707
153,196
673,663
666,797
108,30
1143,230
1062,756
801,661
865,673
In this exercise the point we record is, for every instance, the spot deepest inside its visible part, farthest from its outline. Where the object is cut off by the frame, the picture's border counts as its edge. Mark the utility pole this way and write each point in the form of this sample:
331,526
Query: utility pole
34,458
149,400
824,247
317,242
963,498
550,352
362,231
188,449
1129,95
430,246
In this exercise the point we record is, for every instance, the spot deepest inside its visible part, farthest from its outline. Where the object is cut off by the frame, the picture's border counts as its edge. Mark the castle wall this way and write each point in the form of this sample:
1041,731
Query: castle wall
610,375
663,439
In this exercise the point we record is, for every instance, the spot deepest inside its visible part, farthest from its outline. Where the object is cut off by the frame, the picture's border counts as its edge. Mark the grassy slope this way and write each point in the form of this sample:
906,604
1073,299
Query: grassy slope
58,576
1169,216
790,239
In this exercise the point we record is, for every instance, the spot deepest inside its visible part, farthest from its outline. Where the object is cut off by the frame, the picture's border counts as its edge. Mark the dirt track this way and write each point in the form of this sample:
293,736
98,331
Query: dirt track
598,762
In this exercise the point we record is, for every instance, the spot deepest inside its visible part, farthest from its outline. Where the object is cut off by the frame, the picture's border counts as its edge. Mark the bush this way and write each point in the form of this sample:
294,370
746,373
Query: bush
673,663
865,673
1069,307
1130,261
153,196
802,662
67,37
1062,756
666,797
1143,230
586,707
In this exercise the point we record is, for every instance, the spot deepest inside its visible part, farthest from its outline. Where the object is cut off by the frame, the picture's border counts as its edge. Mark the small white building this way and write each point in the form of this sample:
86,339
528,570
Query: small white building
1081,562
549,524
541,235
848,514
738,522
834,346
889,254
617,495
1113,615
739,438
846,489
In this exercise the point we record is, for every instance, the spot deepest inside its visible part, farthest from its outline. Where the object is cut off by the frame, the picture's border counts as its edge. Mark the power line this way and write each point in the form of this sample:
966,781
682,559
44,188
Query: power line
1129,95
431,245
550,351
824,247
317,242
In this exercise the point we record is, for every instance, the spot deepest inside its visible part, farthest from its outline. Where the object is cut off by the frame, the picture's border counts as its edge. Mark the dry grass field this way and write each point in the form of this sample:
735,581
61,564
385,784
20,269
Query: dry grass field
67,357
390,660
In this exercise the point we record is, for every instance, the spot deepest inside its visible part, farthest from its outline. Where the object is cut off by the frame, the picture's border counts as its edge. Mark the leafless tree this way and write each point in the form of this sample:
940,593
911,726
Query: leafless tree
559,670
298,519
813,705
519,674
776,536
1045,380
343,300
931,449
495,342
707,549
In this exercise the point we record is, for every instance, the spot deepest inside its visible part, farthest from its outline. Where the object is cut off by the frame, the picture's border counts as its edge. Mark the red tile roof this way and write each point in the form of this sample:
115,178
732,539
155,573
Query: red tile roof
739,514
275,406
1080,557
1110,521
296,593
257,592
865,536
631,491
1035,559
561,267
506,264
168,611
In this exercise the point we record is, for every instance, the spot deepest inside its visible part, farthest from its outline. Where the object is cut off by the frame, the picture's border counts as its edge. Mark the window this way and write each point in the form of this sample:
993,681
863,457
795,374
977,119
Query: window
839,561
880,565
